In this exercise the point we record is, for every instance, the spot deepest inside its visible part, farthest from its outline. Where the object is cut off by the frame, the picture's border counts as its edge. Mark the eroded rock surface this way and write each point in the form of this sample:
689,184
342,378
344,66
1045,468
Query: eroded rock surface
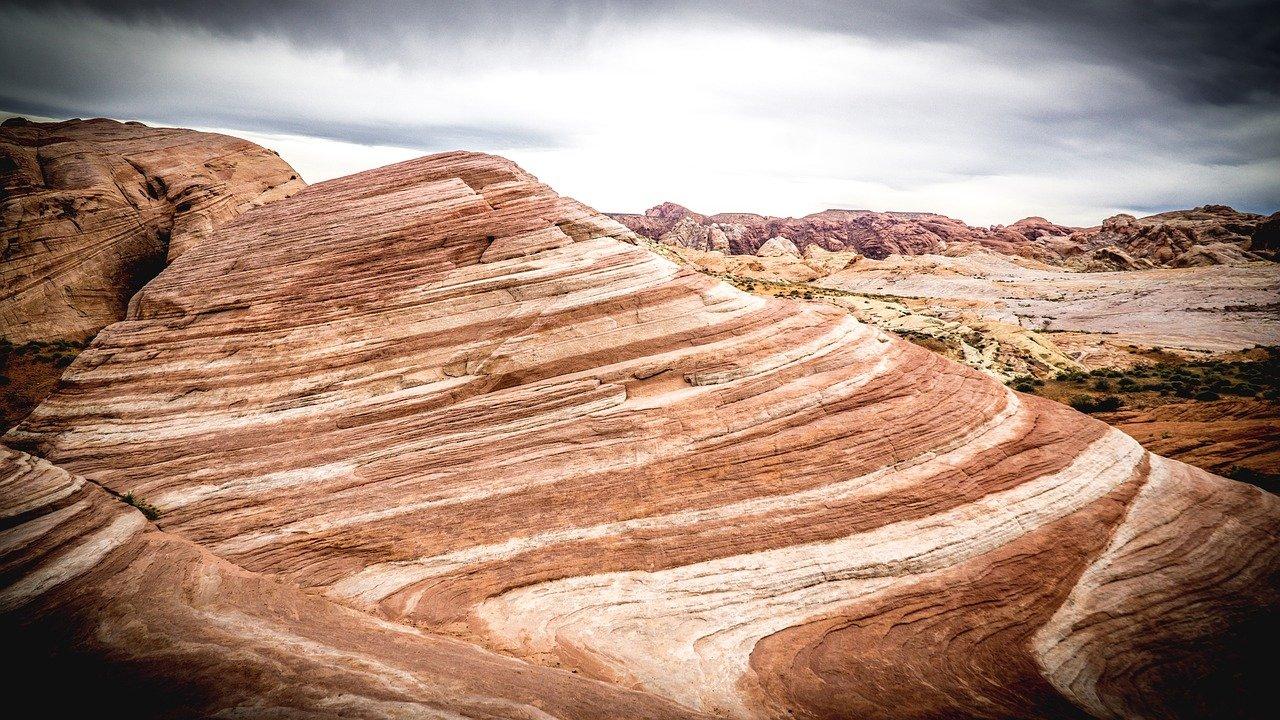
453,402
91,210
1209,235
1214,309
152,625
874,234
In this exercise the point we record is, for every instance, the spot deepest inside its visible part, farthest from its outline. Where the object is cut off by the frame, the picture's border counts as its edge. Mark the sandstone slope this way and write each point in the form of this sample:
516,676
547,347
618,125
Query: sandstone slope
1216,309
151,625
90,210
444,397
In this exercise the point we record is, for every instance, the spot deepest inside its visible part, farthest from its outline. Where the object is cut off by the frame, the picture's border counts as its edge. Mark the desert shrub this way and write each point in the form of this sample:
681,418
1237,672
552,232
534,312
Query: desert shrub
1102,384
1086,403
1207,395
150,511
1083,403
1267,481
1025,387
1108,403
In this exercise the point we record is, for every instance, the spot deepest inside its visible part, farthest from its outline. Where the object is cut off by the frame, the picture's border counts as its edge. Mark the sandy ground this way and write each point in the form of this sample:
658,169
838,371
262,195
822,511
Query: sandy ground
1216,309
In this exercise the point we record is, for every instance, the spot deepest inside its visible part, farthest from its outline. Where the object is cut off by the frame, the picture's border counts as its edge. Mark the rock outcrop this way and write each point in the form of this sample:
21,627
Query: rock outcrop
1213,234
91,210
152,625
778,246
874,234
1209,235
454,404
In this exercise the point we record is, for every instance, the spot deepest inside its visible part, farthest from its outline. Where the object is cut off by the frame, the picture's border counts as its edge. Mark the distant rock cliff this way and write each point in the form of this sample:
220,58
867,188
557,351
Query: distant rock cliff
1209,235
1214,234
873,234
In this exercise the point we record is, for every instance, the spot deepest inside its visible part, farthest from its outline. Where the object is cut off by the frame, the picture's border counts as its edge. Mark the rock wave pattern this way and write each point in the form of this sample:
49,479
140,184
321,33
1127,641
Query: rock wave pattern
90,210
438,426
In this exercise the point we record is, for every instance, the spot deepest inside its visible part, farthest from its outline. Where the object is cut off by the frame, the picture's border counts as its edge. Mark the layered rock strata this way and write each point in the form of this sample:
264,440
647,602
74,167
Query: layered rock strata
874,234
1209,235
91,210
152,625
458,405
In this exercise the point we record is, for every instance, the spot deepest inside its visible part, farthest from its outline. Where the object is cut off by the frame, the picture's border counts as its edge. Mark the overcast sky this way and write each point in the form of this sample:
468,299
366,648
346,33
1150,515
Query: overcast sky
984,110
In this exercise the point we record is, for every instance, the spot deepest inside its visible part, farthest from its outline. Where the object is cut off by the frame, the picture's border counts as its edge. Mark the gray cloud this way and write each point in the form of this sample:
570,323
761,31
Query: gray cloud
1216,51
1073,107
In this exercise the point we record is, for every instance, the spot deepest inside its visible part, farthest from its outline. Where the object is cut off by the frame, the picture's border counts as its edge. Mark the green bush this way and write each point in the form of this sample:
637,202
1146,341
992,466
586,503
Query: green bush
1207,395
150,511
1102,385
1108,403
1083,403
1267,481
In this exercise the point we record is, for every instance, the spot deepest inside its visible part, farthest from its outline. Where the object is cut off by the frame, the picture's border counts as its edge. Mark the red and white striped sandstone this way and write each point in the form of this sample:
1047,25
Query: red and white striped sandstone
89,211
455,403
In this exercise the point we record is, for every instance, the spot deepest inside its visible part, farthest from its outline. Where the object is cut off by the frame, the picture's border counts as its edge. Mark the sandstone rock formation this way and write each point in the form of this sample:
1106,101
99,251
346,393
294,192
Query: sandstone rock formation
443,397
91,210
778,246
152,625
1209,235
874,234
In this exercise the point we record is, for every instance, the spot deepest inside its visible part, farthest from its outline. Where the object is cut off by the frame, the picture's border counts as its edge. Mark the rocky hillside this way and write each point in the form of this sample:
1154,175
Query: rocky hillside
1211,235
91,210
873,234
432,439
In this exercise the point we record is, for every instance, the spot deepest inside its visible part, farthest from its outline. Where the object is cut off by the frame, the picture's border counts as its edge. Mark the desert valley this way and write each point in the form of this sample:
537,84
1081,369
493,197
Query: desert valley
431,440
600,359
1166,326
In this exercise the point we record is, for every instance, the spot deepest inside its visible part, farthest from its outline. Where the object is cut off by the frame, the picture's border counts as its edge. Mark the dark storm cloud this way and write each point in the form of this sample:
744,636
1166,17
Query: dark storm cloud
1214,51
420,135
70,81
1082,107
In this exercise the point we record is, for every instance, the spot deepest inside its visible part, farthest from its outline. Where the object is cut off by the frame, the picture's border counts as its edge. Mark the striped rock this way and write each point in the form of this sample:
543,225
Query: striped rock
438,403
89,211
148,622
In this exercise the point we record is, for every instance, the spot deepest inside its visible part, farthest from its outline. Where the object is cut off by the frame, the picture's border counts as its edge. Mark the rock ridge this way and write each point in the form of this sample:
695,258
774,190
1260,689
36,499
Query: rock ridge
434,431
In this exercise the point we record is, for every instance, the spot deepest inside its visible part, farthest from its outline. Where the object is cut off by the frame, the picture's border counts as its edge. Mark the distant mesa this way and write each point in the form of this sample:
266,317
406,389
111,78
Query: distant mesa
1213,234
